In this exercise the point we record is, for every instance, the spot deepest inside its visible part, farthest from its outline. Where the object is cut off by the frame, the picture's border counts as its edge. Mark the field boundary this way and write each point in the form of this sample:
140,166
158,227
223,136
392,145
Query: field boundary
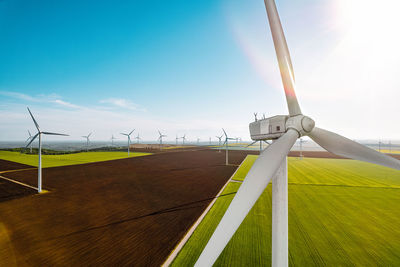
16,182
189,233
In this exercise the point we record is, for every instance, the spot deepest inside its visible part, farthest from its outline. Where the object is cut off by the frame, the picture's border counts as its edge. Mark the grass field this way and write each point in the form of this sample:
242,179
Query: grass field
67,159
341,213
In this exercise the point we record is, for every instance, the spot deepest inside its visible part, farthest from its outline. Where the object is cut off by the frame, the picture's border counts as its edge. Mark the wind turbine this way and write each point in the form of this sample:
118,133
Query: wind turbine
301,141
226,146
112,140
29,138
40,148
160,138
219,142
198,140
129,139
87,141
176,140
272,162
183,139
138,138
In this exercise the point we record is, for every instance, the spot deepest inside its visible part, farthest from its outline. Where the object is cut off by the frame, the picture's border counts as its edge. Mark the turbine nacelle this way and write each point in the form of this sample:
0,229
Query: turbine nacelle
274,127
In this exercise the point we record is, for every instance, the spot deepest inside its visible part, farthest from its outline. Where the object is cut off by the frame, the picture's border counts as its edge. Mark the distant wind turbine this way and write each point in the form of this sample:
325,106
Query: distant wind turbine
160,138
219,142
29,138
226,146
183,139
138,138
129,139
87,141
40,148
112,140
176,140
198,140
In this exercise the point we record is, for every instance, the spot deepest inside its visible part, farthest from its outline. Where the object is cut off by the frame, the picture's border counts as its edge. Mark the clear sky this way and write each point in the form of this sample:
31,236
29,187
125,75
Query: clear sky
195,66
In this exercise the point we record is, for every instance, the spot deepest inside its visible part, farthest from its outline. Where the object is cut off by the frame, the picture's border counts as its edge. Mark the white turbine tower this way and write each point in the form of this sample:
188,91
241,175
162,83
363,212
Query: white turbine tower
40,148
226,146
87,141
129,139
272,162
29,138
160,138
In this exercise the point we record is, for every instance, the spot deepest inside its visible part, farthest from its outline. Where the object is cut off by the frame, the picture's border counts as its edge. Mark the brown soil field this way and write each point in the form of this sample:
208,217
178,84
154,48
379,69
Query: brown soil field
6,165
121,212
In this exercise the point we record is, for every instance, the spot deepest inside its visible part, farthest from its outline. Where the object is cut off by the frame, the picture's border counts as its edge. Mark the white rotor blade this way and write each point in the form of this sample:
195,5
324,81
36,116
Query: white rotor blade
225,133
131,132
32,139
283,55
34,121
252,187
345,147
89,135
124,134
49,133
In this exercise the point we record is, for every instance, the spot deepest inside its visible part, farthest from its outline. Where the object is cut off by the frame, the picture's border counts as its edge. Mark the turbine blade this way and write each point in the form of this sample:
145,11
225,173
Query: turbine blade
225,133
252,187
131,132
283,55
32,139
89,135
49,133
124,134
29,133
252,143
345,147
34,121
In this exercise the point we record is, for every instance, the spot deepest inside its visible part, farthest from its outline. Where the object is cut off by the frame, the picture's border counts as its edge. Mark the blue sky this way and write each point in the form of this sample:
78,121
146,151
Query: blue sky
189,67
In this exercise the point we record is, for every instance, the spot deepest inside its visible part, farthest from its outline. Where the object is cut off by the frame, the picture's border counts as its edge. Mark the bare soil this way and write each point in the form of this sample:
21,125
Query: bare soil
122,212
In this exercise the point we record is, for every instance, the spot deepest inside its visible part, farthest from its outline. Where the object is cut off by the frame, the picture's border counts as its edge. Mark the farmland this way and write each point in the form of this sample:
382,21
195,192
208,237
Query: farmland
67,159
129,212
341,212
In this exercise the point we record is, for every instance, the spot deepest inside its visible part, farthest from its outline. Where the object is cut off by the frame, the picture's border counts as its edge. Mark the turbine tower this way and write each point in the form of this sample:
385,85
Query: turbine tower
160,138
272,163
226,146
40,148
301,141
129,139
198,140
87,141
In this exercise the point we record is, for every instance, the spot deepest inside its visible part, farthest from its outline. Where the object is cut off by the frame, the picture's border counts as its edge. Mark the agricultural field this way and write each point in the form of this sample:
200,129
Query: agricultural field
67,159
341,213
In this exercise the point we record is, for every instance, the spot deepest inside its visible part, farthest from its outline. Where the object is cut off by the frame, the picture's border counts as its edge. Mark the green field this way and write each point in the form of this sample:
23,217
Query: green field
67,159
341,213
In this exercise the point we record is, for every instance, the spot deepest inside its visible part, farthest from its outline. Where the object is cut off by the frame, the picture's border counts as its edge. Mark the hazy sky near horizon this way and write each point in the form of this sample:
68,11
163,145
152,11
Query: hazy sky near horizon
195,66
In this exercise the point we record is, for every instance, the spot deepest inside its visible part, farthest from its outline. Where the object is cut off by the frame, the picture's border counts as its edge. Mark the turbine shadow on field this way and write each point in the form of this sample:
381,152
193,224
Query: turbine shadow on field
189,205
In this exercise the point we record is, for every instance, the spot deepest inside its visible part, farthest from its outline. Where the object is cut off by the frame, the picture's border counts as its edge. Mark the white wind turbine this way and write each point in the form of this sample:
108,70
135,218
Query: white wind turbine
112,140
226,146
219,142
29,138
138,138
272,162
160,138
183,139
40,148
129,139
87,141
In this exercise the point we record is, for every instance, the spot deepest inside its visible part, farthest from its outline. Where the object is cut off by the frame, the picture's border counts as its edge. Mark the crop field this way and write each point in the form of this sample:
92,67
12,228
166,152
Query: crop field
341,213
67,159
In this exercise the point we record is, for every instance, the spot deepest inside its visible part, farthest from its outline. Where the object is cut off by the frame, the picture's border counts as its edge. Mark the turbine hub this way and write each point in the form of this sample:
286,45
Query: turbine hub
302,124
